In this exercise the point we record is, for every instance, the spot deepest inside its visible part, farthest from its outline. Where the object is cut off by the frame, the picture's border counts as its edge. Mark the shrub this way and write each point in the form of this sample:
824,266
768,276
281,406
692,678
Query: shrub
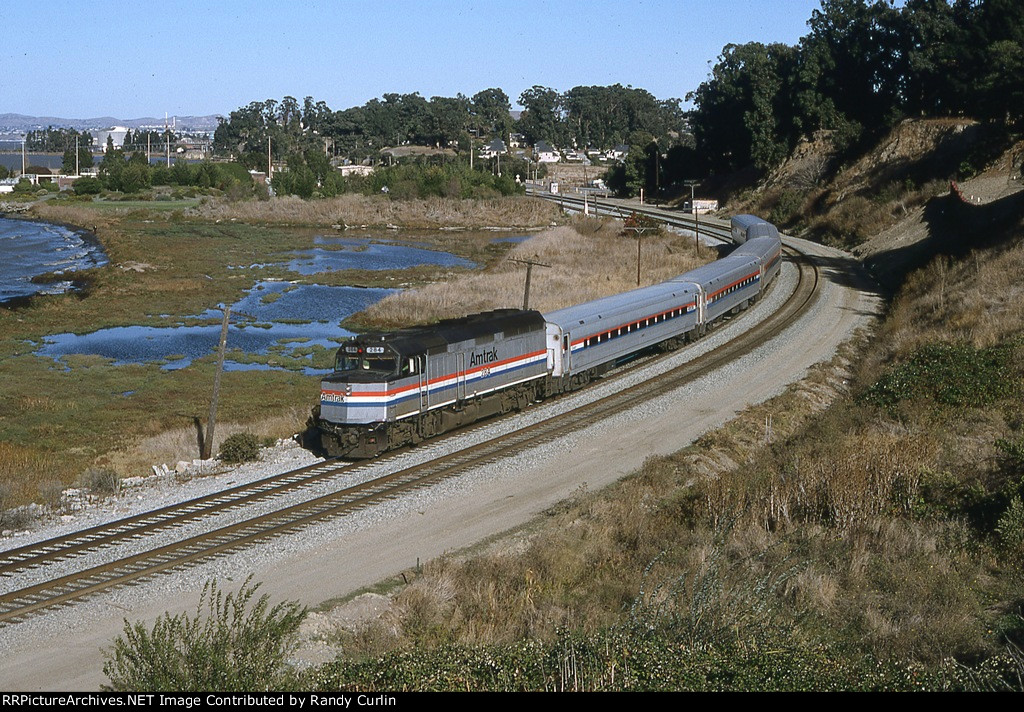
955,375
101,480
227,645
240,447
87,186
1011,529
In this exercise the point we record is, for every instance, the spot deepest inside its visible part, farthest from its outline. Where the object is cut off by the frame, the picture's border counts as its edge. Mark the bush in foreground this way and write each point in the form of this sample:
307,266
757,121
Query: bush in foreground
240,447
228,645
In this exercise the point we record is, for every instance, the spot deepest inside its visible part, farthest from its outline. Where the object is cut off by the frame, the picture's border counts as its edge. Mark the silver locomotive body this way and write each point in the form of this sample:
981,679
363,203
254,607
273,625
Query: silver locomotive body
393,389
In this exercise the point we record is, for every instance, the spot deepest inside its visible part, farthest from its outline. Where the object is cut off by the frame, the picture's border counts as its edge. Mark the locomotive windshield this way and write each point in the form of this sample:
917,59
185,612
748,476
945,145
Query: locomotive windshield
364,362
358,357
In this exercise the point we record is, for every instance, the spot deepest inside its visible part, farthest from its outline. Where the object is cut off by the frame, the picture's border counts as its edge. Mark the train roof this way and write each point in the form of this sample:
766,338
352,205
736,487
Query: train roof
758,246
434,337
745,221
618,303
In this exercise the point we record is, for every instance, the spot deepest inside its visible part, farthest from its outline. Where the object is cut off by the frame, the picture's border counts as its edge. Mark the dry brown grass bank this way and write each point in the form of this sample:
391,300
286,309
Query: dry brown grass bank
172,446
589,259
978,300
360,210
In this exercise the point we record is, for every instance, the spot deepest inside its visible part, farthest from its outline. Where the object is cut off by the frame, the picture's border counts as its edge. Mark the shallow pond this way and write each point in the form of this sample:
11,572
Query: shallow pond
340,253
261,324
277,325
29,249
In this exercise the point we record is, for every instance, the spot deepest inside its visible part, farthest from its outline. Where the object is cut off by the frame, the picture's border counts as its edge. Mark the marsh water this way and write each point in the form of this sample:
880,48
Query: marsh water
277,325
30,249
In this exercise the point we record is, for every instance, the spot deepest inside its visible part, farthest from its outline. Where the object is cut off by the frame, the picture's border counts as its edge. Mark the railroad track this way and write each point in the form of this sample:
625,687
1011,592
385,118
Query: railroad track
18,604
13,561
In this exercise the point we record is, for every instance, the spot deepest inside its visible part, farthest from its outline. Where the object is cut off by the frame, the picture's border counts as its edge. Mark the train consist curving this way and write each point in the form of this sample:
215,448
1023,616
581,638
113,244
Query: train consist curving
398,388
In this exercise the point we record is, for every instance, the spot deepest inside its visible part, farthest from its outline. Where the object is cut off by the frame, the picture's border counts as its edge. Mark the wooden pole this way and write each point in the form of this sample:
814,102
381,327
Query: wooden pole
526,294
638,258
208,438
529,274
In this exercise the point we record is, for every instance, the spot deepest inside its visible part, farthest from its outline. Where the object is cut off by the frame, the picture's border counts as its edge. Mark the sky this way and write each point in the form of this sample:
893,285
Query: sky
82,59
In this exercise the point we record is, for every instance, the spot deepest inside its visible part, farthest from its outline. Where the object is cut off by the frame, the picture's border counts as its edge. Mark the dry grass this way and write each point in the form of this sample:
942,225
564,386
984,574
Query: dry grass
73,214
596,556
978,300
25,475
172,446
360,210
588,259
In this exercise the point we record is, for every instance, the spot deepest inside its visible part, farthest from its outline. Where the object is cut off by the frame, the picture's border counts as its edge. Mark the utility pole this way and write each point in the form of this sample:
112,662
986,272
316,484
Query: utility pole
208,437
696,219
529,273
639,230
77,172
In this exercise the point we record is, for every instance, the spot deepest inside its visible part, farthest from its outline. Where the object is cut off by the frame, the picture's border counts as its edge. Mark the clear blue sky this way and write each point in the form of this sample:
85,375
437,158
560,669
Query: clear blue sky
78,59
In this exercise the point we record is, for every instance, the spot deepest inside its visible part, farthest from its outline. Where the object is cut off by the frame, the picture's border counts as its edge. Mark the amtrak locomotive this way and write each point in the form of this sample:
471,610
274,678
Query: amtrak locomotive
393,389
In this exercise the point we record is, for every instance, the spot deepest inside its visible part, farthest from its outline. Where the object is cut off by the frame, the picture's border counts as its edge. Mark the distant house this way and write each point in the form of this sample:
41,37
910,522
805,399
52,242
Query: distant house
494,148
192,150
619,152
355,170
544,152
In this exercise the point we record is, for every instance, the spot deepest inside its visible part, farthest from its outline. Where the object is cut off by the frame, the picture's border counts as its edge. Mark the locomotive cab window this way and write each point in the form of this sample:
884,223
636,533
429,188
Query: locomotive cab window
363,362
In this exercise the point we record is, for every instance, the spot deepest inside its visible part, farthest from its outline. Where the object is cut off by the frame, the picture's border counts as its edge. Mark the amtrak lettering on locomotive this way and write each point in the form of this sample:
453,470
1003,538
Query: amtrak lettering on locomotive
397,388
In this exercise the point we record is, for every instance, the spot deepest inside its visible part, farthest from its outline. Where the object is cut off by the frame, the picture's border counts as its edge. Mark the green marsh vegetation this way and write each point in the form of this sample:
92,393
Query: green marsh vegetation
166,265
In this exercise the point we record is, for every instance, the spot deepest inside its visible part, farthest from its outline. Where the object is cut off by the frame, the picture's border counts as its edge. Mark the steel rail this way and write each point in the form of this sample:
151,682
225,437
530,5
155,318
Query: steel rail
61,548
18,604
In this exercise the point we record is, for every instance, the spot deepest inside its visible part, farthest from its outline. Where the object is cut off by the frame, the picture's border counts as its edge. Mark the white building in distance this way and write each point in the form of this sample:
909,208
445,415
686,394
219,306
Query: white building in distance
116,134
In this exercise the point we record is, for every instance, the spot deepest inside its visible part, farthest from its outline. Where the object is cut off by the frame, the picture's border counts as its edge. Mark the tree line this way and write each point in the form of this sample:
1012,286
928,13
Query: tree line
581,117
861,68
56,140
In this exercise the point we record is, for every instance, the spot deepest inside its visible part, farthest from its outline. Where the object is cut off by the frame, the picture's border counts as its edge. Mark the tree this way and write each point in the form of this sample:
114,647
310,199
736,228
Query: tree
68,162
491,112
851,68
87,186
605,116
448,119
541,119
744,112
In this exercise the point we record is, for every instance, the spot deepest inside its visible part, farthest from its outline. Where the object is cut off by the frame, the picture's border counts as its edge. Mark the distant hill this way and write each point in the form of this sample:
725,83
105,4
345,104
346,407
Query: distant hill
21,122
